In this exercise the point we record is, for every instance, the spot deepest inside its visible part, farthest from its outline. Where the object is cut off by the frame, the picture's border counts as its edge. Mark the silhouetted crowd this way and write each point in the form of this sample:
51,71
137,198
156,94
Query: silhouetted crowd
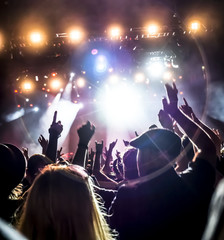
166,184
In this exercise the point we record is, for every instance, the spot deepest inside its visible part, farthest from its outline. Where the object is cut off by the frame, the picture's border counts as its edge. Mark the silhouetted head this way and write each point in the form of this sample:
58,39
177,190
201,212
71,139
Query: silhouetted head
156,147
12,168
61,205
35,164
130,163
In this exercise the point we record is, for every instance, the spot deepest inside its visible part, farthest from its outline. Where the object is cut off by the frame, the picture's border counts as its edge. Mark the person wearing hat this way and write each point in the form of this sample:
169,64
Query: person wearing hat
161,204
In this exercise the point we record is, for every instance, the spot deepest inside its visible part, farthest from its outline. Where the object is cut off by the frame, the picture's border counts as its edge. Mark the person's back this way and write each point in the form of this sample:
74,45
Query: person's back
156,207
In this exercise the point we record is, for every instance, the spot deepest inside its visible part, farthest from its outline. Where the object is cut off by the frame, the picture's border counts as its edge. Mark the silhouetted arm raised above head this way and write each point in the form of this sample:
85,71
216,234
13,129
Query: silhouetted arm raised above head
197,135
85,133
55,132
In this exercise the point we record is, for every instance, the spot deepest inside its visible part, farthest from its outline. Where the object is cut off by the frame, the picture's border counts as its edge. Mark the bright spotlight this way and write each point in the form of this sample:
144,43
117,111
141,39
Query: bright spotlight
1,41
195,25
121,100
36,37
167,76
113,79
35,109
56,84
101,64
139,77
81,82
27,86
76,35
152,29
115,32
72,74
156,69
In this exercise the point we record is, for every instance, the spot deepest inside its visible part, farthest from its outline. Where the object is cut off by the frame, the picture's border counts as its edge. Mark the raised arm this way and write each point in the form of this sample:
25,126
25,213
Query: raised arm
108,153
198,136
85,133
54,133
214,135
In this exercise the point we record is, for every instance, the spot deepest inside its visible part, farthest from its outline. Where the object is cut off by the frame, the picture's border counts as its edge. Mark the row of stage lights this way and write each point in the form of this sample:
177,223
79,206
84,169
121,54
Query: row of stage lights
75,35
56,83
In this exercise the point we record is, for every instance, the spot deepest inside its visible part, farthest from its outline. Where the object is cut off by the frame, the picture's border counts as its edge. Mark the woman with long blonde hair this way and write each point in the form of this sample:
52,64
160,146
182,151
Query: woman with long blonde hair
61,204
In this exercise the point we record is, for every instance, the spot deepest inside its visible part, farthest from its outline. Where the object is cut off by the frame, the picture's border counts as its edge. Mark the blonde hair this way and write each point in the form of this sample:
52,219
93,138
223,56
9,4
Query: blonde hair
61,204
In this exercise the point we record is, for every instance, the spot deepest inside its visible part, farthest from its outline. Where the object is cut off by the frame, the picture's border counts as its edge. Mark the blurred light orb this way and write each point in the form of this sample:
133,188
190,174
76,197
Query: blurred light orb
113,79
167,76
81,82
36,109
76,35
56,84
156,69
121,100
36,37
27,86
115,32
101,64
195,25
72,74
94,51
152,29
139,77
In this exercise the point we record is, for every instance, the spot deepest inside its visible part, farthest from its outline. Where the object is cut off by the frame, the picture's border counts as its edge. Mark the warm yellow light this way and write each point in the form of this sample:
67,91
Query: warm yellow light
56,84
153,29
167,76
1,41
81,82
115,31
139,77
195,25
76,35
27,86
36,37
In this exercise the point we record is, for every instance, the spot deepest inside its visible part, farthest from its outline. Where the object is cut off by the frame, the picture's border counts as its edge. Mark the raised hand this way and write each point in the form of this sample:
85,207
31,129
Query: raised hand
170,104
85,133
56,127
25,153
165,120
112,145
126,143
91,154
99,147
59,153
186,109
43,143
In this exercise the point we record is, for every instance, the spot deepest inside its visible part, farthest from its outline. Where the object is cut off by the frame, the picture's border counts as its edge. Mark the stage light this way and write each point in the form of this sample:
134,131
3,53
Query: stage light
101,64
81,82
139,77
156,68
53,74
195,26
36,37
113,79
72,74
35,109
55,84
121,100
152,29
94,51
167,76
114,31
76,35
1,41
27,86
